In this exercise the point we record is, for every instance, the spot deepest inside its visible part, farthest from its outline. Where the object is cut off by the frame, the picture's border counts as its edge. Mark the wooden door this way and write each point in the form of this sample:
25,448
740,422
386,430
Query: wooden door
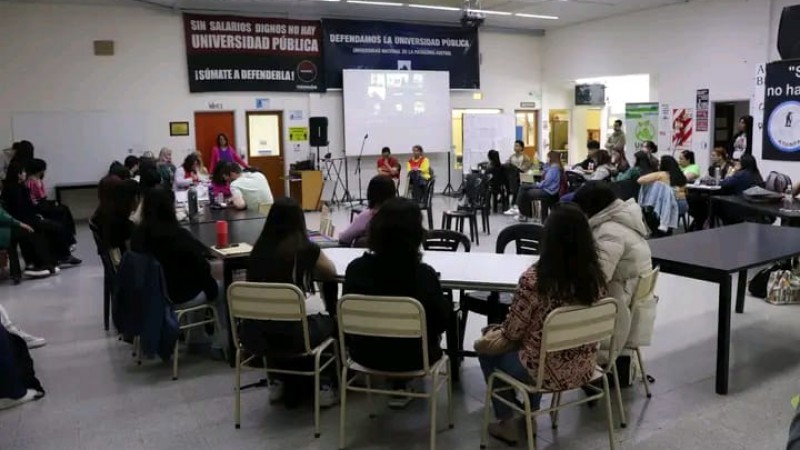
724,124
207,126
265,147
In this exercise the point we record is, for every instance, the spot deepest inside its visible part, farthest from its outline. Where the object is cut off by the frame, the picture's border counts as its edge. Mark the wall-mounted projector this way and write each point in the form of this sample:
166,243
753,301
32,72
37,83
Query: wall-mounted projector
472,19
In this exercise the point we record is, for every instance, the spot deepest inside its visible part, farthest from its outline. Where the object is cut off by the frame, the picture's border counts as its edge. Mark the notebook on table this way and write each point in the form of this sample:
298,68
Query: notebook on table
240,249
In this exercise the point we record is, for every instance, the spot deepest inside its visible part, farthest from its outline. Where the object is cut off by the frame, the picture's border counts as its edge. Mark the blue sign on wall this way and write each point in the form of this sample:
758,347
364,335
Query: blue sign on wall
354,44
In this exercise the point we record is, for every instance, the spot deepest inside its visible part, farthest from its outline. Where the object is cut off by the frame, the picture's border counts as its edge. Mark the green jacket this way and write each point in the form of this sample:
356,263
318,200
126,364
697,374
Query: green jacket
6,223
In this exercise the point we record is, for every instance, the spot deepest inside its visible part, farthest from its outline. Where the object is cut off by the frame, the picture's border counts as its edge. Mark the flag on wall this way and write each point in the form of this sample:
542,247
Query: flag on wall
682,127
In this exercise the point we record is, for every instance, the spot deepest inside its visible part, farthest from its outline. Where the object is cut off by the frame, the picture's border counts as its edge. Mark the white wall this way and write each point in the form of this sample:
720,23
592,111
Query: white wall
713,44
49,65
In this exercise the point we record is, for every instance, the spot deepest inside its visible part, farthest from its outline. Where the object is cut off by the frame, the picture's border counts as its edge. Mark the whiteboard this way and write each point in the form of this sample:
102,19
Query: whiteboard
80,146
484,132
396,109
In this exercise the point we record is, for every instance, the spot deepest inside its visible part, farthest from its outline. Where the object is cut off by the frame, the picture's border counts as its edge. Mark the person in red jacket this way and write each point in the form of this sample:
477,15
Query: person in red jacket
388,164
223,151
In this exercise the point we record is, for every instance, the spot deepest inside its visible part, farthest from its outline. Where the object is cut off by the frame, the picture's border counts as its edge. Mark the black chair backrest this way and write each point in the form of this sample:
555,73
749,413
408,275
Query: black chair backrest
526,236
445,241
427,196
102,250
574,181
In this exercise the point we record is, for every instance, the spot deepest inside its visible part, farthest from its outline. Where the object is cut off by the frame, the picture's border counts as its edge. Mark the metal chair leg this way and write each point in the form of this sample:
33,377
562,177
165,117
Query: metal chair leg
609,416
622,420
643,372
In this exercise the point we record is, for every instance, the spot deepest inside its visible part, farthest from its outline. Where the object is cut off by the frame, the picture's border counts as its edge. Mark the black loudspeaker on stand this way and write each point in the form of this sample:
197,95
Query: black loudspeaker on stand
789,33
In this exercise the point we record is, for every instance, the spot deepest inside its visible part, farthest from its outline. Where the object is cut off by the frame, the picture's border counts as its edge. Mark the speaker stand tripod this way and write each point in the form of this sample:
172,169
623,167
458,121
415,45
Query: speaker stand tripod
448,190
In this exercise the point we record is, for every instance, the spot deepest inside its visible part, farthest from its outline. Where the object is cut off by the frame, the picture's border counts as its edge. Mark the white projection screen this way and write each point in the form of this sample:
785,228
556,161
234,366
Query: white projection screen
397,109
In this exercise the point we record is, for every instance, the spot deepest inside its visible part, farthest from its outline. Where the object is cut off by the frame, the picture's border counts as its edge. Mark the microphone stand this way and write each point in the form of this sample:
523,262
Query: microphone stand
346,198
358,169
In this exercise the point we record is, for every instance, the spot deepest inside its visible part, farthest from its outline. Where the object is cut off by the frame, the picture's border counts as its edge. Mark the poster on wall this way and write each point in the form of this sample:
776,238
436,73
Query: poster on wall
641,124
682,129
664,121
355,44
781,139
231,53
702,110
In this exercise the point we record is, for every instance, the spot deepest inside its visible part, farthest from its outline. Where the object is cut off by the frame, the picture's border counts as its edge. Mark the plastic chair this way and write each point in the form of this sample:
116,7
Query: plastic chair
395,318
445,241
278,302
565,328
426,203
109,271
645,289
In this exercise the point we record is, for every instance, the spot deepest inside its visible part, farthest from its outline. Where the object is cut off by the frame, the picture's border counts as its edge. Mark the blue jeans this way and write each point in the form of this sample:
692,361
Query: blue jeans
511,365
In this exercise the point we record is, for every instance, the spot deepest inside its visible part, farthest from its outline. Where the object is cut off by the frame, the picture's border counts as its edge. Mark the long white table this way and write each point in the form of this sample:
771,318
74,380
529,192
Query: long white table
470,271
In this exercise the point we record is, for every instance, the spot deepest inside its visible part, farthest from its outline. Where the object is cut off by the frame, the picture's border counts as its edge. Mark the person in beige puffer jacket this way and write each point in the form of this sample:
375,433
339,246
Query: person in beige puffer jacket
620,234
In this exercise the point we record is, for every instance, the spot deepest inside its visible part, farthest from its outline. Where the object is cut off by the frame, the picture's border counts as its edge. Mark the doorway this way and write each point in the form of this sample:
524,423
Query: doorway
726,118
265,147
527,122
559,133
207,126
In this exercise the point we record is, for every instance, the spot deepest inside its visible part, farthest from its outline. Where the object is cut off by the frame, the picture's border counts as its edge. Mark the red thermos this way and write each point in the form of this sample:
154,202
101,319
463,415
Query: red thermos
222,233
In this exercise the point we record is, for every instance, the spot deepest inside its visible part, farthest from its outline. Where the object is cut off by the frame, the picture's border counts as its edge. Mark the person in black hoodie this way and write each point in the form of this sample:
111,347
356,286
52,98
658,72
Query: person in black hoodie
182,257
393,267
18,203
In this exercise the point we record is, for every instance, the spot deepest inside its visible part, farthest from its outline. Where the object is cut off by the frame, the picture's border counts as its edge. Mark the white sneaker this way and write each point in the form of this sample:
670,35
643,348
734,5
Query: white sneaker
32,341
35,272
327,396
276,390
6,403
513,211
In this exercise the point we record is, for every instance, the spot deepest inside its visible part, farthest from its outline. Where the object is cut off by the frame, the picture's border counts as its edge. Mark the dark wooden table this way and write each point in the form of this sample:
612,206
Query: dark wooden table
239,231
790,217
716,254
211,215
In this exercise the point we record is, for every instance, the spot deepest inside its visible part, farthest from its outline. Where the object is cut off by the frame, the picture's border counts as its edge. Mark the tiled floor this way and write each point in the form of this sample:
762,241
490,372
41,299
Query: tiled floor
98,399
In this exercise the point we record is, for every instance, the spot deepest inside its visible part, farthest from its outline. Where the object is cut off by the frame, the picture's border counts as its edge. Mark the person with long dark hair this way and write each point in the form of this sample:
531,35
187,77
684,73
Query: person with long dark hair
47,208
18,203
742,143
393,267
567,273
219,185
641,166
283,253
113,215
604,170
224,151
619,161
182,257
688,165
746,176
188,173
380,190
670,173
651,149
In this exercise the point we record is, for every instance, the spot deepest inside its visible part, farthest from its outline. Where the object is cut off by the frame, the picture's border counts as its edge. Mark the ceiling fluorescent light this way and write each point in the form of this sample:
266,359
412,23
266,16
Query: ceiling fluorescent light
437,7
489,11
372,3
536,16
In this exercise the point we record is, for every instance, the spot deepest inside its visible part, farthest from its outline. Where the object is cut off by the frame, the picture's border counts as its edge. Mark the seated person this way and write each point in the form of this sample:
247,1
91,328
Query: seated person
284,254
381,189
548,190
18,203
48,209
117,169
112,217
604,170
188,173
552,282
33,245
182,257
419,172
393,267
670,173
619,161
745,177
651,149
249,190
201,170
165,167
719,161
689,167
18,382
149,177
588,164
641,166
388,164
620,237
219,185
31,341
498,177
132,164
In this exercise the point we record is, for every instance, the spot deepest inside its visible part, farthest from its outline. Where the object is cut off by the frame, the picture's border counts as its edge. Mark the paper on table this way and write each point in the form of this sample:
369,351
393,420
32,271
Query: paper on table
242,248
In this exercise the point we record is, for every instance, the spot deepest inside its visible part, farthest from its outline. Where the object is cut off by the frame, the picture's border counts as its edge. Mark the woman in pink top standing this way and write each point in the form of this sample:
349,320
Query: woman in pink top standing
223,151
